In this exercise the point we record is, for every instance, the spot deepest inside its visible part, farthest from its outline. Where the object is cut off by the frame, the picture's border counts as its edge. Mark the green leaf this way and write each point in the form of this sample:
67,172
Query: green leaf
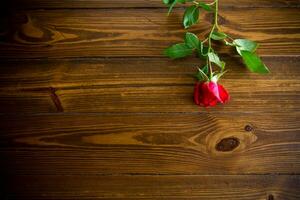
254,63
205,69
171,6
204,6
191,16
172,3
202,51
178,51
199,50
215,59
218,35
245,45
168,2
191,40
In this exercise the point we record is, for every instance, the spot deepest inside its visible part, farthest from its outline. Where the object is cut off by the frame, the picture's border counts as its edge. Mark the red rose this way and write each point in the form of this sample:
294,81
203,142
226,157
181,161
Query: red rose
209,94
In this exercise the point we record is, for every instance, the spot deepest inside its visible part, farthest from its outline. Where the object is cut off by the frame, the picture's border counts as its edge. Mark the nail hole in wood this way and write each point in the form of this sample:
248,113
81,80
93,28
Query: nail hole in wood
248,128
270,197
227,144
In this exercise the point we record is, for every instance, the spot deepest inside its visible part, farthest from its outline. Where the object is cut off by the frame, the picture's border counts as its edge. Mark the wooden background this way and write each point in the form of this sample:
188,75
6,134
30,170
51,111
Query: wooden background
91,109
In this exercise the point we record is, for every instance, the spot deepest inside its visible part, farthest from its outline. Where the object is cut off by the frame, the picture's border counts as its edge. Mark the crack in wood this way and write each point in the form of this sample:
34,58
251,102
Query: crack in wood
56,99
52,91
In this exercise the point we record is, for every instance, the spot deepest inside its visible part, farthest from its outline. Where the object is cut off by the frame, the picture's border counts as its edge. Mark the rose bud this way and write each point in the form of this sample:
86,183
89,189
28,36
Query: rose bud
209,94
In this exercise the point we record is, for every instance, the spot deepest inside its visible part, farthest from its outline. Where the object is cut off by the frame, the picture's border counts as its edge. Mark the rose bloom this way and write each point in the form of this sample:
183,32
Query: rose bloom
209,94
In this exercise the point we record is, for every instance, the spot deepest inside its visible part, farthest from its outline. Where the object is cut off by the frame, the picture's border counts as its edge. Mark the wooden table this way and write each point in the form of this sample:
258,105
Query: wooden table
91,109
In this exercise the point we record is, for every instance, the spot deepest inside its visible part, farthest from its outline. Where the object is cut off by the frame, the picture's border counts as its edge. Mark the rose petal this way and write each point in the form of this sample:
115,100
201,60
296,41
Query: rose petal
223,94
209,94
214,89
208,98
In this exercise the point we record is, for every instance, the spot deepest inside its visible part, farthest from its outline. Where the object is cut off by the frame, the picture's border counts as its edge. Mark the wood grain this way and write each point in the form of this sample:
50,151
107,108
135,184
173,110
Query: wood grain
154,187
138,32
106,144
91,109
141,85
29,4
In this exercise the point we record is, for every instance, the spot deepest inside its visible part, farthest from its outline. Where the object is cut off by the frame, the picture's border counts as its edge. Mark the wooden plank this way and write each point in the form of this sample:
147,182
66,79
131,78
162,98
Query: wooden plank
76,73
153,187
141,85
150,144
151,99
29,4
24,102
138,32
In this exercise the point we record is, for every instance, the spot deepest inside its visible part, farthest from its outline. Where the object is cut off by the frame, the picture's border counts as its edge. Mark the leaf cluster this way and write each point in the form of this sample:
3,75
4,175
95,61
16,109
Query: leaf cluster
244,47
191,14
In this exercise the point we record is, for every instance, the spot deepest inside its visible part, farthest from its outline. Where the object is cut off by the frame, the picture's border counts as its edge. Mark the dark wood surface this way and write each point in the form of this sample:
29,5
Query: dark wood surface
138,32
91,109
246,187
141,85
141,3
151,143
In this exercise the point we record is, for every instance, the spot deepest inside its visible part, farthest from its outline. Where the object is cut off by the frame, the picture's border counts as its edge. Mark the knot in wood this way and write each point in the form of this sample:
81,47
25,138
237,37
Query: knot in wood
227,144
